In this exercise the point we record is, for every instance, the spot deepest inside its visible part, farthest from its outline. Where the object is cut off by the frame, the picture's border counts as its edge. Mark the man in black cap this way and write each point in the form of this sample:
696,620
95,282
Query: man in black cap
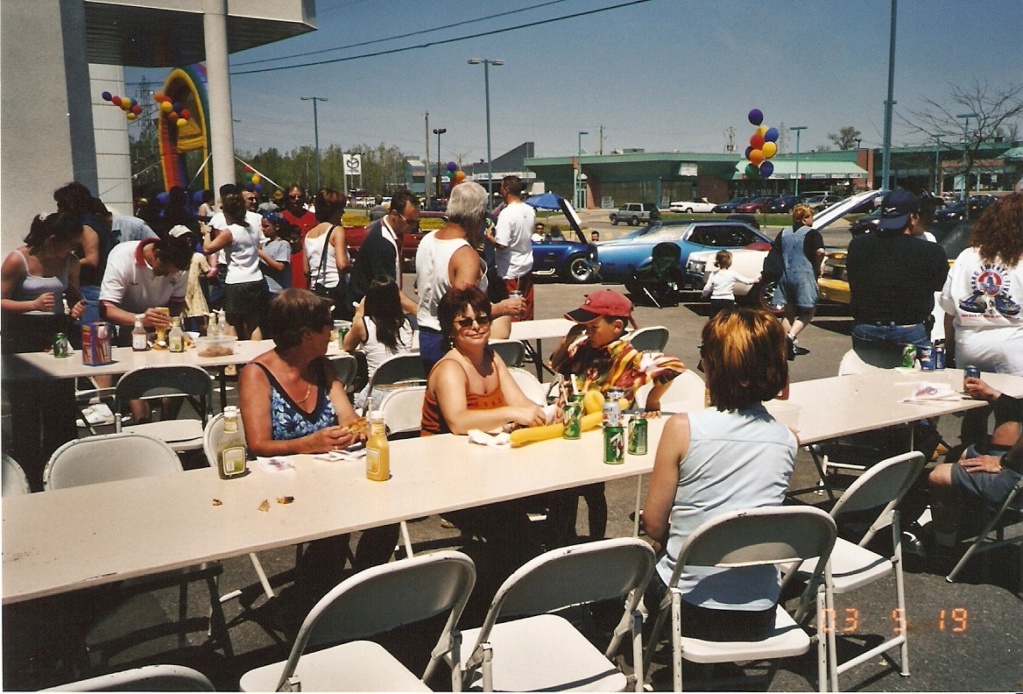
893,275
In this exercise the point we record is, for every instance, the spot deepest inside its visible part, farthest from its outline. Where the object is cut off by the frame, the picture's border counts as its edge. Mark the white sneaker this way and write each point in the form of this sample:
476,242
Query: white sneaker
96,415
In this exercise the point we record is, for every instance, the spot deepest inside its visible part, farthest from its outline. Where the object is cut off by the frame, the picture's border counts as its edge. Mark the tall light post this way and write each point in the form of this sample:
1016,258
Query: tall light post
938,144
966,178
579,171
438,132
799,129
490,159
316,133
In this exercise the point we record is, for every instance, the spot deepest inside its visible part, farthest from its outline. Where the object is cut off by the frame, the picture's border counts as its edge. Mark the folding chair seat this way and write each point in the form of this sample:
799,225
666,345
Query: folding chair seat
997,520
540,651
183,380
854,565
513,352
372,602
150,678
782,536
652,338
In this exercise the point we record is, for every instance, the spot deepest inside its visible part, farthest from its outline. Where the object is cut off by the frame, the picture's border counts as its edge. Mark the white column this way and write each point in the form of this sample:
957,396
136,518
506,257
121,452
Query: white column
218,84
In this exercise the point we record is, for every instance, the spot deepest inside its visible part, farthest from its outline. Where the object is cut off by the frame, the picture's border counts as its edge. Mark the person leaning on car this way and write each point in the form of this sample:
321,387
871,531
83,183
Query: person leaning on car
893,275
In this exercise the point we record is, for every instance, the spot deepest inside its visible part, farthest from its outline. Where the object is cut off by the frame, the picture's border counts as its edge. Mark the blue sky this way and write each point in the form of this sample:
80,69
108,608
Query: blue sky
661,75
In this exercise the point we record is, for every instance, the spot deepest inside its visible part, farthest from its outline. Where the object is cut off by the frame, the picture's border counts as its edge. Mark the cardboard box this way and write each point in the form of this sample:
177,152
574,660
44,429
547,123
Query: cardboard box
97,347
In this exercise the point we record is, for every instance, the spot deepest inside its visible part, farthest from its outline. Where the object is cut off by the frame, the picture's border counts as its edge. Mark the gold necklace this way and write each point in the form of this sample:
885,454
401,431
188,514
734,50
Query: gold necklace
308,390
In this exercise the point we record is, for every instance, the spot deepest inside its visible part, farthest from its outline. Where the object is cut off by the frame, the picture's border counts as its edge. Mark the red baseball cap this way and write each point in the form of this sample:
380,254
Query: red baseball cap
606,302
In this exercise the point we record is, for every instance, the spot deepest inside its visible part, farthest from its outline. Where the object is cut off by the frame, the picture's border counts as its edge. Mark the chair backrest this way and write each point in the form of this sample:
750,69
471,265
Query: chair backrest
529,385
403,410
385,597
15,481
211,436
573,575
151,678
665,256
109,457
513,352
649,339
167,381
399,369
863,361
882,485
347,368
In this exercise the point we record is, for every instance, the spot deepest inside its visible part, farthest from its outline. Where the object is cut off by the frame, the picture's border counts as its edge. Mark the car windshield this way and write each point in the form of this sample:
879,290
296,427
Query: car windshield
667,233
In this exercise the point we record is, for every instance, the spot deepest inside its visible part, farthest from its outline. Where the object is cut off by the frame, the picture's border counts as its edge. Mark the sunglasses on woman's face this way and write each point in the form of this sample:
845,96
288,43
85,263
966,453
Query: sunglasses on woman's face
480,320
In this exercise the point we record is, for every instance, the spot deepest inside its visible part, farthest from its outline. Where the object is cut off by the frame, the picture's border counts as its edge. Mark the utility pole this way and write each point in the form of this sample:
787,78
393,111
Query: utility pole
601,146
426,162
316,133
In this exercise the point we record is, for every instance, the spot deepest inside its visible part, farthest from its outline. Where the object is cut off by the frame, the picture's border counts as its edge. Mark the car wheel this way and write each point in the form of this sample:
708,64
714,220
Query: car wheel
578,270
614,220
634,221
689,210
761,296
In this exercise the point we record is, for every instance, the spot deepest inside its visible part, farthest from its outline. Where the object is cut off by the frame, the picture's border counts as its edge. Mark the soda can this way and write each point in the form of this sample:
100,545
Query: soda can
572,417
637,435
969,372
341,332
612,412
939,357
926,357
908,356
614,445
60,346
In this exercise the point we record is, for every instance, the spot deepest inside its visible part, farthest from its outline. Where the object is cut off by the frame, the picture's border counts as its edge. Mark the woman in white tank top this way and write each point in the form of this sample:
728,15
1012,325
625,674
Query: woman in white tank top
381,329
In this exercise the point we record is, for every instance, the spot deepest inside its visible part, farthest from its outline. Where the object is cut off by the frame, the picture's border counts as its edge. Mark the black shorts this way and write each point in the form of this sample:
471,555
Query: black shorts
245,297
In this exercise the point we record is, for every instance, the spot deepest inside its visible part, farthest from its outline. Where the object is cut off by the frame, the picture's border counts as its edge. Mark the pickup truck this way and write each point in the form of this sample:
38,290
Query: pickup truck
635,212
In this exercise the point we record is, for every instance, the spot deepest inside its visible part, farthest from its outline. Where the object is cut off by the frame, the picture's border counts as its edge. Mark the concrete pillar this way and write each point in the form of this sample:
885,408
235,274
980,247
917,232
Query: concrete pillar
113,156
218,84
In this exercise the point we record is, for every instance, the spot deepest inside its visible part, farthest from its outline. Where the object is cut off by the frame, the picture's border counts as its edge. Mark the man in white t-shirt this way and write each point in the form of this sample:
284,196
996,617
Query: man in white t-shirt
514,245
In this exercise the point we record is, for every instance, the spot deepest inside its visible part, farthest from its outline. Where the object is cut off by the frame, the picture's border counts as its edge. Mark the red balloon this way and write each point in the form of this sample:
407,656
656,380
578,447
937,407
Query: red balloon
136,109
172,117
116,100
185,113
757,141
249,169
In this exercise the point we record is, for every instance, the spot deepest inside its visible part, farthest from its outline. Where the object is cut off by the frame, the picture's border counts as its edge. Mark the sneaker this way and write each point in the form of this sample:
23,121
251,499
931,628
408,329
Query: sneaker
974,304
96,415
799,351
790,348
913,543
1006,306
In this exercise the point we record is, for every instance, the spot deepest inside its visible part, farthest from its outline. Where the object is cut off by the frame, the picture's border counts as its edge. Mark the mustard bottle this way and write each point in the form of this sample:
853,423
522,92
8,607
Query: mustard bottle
378,452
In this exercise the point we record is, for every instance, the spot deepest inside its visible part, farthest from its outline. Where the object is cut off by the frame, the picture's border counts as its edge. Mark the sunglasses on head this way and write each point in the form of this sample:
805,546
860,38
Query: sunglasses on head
480,320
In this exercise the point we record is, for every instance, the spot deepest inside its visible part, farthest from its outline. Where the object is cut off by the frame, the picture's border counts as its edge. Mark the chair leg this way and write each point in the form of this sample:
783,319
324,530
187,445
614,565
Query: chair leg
639,501
182,613
676,639
900,592
405,538
488,668
637,648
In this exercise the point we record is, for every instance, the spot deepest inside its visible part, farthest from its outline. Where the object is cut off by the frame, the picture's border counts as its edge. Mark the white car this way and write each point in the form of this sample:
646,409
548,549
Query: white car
700,206
745,261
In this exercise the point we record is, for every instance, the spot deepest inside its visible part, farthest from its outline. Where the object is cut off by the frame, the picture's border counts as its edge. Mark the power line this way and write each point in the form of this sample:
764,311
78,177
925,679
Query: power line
401,36
441,42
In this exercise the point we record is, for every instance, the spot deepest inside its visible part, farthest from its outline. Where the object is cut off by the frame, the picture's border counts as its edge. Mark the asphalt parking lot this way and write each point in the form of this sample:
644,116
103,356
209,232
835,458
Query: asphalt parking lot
963,637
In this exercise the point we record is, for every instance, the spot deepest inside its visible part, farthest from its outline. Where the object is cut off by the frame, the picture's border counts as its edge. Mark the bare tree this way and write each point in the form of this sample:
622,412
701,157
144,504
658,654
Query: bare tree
845,138
992,111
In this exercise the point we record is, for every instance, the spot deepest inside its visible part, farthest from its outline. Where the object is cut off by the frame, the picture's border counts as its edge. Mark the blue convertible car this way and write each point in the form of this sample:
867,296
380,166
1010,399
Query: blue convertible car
619,259
568,260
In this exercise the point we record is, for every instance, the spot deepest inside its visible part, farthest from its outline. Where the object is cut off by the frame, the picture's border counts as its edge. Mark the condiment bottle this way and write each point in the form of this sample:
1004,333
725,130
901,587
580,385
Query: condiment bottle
213,327
231,447
139,339
176,338
378,453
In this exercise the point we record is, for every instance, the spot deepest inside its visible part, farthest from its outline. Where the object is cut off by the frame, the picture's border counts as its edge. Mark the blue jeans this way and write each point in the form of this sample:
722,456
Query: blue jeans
430,347
90,293
870,336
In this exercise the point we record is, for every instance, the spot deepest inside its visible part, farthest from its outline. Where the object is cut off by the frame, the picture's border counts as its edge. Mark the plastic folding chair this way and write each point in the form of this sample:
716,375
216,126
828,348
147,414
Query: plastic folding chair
403,412
15,481
650,339
854,566
371,602
190,382
996,523
127,455
401,368
529,385
512,352
151,678
782,536
540,651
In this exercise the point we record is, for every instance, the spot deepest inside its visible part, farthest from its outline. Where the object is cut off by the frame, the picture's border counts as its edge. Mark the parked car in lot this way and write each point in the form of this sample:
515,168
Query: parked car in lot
755,205
748,262
784,204
729,207
821,201
571,260
635,212
619,259
701,206
957,212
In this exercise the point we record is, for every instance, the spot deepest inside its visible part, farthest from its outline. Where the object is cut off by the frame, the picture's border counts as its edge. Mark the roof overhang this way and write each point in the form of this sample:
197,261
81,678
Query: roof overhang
822,169
165,33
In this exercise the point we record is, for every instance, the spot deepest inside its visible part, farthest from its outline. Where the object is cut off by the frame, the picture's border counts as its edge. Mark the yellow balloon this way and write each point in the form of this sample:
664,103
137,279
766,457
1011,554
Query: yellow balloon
130,116
769,149
182,122
762,130
256,179
756,156
166,106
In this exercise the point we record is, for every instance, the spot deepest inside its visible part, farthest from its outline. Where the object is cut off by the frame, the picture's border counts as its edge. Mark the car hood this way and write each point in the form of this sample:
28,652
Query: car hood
573,219
842,207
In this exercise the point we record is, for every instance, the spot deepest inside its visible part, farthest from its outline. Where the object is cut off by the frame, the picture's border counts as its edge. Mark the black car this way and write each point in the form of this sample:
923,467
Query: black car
957,212
784,204
729,207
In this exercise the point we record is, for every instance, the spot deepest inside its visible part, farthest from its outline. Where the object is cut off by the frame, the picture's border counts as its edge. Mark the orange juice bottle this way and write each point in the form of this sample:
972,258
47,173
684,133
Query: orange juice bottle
378,452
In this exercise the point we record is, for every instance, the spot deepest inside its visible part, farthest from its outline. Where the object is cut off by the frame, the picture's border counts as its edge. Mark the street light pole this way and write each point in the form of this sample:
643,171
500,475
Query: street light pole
937,164
490,158
438,132
579,170
966,178
799,129
316,133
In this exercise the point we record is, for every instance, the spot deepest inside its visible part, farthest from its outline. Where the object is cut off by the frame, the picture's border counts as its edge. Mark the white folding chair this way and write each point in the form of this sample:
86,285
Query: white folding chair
650,339
179,380
401,368
996,523
512,352
122,456
529,385
539,651
854,566
371,602
403,412
15,481
782,536
347,368
150,678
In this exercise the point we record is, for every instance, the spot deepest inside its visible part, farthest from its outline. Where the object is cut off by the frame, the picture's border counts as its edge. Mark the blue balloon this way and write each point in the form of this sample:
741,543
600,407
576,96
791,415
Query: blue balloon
771,135
756,116
259,189
452,166
106,96
163,198
748,150
766,169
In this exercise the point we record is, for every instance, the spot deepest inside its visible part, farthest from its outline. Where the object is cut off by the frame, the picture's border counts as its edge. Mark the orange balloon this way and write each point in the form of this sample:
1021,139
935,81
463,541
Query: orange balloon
756,157
769,149
459,176
159,97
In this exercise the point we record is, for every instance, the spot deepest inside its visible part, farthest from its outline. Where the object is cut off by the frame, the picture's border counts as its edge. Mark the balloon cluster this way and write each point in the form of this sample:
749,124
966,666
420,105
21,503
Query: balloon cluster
763,145
173,111
457,176
254,178
132,109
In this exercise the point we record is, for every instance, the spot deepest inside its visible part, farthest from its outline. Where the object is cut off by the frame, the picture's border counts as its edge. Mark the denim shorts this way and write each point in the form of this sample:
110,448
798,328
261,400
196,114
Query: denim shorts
801,291
991,487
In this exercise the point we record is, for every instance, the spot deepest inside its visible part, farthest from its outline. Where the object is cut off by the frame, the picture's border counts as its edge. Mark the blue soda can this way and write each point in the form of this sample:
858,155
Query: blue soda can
926,357
970,372
939,357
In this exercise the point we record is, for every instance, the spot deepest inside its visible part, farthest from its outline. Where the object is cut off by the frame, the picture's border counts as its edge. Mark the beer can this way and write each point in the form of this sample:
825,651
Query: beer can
926,357
969,372
908,356
637,435
60,346
614,445
939,357
572,417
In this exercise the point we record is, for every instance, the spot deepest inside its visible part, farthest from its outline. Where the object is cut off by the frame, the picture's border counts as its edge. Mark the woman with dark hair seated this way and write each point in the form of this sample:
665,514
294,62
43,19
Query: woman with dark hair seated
293,402
732,456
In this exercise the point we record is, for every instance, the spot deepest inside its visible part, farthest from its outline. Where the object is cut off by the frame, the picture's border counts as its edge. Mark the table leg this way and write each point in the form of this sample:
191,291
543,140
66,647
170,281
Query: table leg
222,378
